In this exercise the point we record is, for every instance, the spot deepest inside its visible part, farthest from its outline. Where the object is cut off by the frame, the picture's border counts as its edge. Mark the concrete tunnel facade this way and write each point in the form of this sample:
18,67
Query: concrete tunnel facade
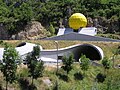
91,51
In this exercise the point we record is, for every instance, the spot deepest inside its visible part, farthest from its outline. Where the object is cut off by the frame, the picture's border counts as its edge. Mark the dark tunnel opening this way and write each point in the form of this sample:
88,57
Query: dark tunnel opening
90,51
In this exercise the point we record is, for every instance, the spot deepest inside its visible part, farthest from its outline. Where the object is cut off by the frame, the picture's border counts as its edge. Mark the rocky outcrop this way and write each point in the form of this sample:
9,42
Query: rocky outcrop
104,25
34,30
3,33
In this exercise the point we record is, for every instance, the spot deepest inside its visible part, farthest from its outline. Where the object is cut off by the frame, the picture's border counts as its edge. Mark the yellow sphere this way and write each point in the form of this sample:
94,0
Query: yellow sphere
77,20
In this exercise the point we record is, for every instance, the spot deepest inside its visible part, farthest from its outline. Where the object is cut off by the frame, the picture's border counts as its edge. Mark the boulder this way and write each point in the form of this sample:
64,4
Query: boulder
33,30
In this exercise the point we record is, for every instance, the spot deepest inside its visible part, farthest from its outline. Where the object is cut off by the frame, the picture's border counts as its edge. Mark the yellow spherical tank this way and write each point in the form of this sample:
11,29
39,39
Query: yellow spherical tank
77,20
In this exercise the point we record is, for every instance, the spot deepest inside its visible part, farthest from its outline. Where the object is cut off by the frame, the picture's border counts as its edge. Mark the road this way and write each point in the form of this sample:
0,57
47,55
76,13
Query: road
80,37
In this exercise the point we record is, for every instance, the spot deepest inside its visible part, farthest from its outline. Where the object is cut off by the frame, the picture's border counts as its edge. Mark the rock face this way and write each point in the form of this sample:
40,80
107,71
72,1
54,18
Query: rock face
104,25
3,33
34,30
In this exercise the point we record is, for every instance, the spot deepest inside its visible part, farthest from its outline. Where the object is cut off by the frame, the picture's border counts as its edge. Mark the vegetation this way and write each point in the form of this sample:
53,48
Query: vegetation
106,64
116,52
17,13
67,63
51,29
84,63
35,66
9,64
112,36
110,81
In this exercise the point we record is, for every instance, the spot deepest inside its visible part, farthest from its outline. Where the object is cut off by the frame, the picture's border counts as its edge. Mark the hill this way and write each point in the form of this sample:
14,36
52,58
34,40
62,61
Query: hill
15,15
76,79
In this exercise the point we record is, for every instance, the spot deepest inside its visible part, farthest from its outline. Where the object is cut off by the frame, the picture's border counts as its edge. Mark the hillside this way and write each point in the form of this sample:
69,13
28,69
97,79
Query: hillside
76,80
15,15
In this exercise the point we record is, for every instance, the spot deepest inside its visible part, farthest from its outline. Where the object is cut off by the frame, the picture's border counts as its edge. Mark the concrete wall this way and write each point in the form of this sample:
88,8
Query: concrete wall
91,51
87,31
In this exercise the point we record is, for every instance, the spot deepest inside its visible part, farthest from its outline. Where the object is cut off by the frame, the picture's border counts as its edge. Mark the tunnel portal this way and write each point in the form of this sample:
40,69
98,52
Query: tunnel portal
90,51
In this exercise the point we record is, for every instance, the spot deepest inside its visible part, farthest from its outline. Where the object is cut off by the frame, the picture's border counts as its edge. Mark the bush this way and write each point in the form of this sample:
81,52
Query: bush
51,29
78,76
101,12
24,83
24,72
100,77
56,86
63,77
32,87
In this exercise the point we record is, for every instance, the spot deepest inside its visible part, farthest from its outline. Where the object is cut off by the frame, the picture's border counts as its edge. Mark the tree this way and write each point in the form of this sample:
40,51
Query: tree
115,53
106,64
84,63
67,63
21,14
9,65
35,67
51,29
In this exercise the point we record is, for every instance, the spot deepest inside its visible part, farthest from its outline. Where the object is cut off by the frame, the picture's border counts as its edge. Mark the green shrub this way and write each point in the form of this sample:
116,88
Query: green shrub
78,76
24,72
100,77
51,29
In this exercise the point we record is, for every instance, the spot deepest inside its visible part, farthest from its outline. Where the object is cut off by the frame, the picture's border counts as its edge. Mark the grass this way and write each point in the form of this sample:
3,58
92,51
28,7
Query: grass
107,47
72,84
112,36
88,82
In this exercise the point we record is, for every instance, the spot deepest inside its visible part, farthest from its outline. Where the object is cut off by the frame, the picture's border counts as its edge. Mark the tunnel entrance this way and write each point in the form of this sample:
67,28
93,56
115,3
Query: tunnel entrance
90,51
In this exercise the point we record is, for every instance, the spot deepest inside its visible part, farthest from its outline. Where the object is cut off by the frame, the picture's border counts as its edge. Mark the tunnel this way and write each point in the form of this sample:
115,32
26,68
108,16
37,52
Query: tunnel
91,51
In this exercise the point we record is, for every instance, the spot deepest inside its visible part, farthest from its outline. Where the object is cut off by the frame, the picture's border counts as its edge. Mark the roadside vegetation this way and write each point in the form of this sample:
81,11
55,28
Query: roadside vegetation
76,81
112,36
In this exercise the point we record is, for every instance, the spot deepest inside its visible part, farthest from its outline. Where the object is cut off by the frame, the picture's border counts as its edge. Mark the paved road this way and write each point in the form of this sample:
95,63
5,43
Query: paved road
80,37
